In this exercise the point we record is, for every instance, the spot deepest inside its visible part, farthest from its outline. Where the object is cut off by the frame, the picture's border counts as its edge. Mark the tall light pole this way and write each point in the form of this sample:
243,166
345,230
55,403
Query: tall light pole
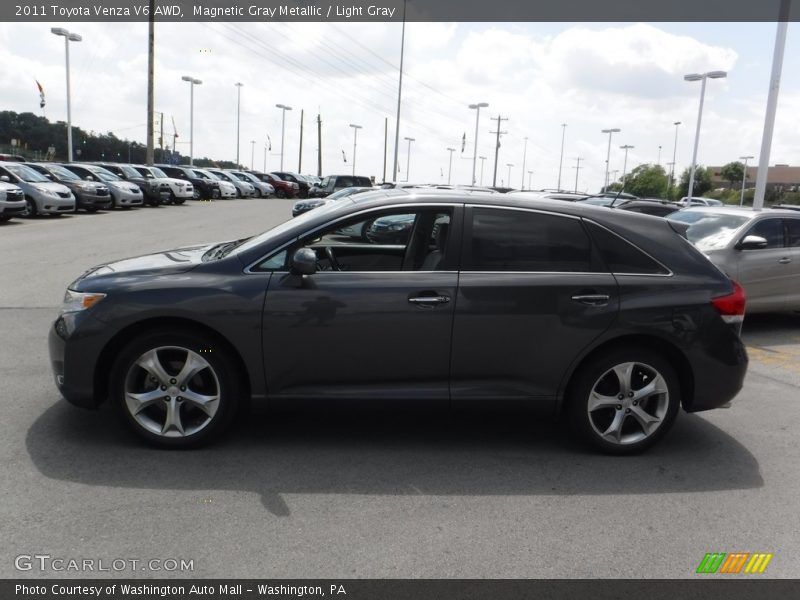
508,181
396,167
626,147
577,168
483,160
744,177
252,155
674,154
530,174
68,37
283,108
524,156
355,141
610,132
478,108
659,156
238,115
450,167
192,82
408,157
702,77
561,160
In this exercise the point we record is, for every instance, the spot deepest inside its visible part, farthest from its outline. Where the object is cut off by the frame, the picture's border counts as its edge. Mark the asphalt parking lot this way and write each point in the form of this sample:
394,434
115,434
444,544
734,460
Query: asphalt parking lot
411,495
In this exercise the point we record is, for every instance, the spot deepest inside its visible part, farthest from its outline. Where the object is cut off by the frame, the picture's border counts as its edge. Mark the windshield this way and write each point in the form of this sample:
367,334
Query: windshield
709,230
236,175
206,174
129,171
158,172
222,176
63,173
27,174
104,175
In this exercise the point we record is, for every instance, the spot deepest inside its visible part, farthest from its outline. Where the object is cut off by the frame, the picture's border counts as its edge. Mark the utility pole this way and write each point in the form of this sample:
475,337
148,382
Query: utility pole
151,45
524,156
300,158
674,154
238,118
385,143
497,147
450,168
355,144
319,145
577,168
483,160
396,167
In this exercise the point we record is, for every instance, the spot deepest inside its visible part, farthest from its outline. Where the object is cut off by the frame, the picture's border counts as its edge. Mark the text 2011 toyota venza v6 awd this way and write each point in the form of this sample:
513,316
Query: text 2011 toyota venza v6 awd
611,320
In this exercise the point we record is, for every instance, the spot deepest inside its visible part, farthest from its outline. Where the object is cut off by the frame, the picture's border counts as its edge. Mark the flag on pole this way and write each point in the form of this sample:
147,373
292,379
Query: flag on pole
270,143
344,156
41,94
463,142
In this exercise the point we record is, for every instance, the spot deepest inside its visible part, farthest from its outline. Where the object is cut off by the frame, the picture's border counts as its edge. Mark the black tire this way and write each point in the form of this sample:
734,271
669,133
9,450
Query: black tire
196,194
125,372
178,201
30,208
596,373
279,193
91,209
4,218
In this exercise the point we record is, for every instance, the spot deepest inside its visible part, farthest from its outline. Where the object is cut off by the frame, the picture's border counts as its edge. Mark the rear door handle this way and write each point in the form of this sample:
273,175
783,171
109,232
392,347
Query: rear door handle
429,300
785,260
592,299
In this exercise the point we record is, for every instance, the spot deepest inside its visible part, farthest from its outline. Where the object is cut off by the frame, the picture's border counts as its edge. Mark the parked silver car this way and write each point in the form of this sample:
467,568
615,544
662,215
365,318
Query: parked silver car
124,193
42,196
12,201
243,188
263,189
759,249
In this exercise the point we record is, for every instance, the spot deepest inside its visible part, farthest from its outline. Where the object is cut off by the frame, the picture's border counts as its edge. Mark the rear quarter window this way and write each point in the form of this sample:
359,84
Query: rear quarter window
622,257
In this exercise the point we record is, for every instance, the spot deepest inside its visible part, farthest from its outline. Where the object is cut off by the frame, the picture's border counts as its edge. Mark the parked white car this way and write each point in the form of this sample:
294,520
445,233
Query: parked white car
226,188
180,190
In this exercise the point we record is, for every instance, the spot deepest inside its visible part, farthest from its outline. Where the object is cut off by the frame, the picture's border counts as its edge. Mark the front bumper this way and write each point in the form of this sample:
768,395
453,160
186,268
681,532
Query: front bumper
88,199
48,205
10,208
124,197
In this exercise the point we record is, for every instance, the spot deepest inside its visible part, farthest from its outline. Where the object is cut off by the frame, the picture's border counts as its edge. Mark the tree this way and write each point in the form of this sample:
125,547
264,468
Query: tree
733,172
647,181
702,182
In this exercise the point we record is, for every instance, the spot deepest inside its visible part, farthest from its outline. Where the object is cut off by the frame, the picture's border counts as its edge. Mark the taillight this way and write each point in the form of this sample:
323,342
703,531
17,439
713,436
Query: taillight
731,306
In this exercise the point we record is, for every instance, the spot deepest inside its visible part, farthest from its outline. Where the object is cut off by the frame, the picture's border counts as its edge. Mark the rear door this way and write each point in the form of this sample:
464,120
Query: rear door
532,294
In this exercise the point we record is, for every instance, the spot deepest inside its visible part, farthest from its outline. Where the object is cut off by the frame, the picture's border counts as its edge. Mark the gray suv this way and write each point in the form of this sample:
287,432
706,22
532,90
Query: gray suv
759,249
42,196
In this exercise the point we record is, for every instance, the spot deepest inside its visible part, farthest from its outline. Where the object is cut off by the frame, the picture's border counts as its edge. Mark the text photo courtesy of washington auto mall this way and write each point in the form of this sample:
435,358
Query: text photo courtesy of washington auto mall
399,299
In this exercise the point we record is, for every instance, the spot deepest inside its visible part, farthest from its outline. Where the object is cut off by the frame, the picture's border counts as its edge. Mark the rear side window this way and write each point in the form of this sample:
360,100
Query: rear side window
793,233
512,240
621,256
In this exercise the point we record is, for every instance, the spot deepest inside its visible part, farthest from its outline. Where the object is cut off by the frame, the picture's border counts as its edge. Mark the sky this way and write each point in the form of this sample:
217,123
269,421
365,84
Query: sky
591,76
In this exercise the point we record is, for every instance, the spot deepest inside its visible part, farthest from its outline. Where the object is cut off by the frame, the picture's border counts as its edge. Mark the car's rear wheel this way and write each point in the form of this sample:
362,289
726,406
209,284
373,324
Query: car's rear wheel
177,389
624,401
280,193
196,194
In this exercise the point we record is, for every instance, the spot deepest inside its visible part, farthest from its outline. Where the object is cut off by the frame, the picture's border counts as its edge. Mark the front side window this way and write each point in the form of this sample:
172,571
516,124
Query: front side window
524,241
380,242
769,229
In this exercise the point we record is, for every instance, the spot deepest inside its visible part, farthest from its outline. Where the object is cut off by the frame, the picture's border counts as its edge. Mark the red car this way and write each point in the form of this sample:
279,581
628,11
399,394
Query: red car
283,189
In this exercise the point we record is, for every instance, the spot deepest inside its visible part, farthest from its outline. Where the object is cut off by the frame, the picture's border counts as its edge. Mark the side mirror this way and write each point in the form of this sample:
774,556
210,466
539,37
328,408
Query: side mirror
5,179
752,242
89,178
304,262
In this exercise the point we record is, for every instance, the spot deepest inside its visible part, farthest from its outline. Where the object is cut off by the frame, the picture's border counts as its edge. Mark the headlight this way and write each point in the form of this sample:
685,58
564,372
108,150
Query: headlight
78,301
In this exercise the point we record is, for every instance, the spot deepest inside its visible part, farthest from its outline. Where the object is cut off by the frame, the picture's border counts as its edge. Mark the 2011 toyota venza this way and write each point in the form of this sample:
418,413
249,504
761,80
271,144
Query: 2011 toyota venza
614,321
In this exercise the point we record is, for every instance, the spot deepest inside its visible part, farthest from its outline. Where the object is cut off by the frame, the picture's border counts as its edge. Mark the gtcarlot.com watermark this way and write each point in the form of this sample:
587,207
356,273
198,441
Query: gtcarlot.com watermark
62,564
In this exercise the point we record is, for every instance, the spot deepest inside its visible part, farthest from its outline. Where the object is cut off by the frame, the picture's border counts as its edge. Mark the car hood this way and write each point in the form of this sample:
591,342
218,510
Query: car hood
162,263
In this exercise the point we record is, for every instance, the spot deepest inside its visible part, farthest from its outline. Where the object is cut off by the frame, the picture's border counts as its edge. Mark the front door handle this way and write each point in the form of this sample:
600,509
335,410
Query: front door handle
429,300
785,260
592,299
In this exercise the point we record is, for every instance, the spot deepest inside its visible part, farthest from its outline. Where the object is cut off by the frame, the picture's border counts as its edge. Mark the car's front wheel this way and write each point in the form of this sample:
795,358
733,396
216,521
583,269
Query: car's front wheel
176,389
624,401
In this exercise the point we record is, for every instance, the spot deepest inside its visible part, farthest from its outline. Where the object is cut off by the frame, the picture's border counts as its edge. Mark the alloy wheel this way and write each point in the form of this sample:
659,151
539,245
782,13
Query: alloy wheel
172,392
628,403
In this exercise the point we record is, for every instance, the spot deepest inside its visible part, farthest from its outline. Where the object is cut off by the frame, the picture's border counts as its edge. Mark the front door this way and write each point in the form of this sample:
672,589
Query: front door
766,273
375,319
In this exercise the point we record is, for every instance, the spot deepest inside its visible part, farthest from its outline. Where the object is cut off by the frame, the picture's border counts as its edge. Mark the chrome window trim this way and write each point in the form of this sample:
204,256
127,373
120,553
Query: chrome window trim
248,269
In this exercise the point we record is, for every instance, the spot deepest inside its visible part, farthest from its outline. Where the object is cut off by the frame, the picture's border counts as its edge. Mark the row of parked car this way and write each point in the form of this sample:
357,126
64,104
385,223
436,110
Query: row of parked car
46,188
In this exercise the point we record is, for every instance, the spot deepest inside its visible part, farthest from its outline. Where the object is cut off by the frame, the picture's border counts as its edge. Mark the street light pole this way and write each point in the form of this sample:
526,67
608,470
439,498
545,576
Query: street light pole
610,132
524,156
192,82
626,147
408,157
68,37
252,155
508,181
530,174
478,106
238,117
450,167
577,168
483,160
355,140
744,177
674,154
702,77
283,108
561,160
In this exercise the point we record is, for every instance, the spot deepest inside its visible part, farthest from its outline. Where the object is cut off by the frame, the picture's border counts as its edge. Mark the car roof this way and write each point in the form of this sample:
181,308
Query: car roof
740,210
